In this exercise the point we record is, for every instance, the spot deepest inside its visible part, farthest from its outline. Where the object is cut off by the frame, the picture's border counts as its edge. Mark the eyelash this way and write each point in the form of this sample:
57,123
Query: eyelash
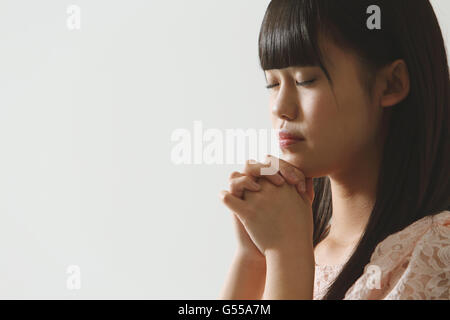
305,83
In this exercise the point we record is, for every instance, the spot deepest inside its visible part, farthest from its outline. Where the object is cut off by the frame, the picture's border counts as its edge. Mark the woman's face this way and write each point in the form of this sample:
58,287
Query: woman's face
338,129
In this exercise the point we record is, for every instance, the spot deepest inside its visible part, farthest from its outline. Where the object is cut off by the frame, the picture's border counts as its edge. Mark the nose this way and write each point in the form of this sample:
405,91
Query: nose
285,106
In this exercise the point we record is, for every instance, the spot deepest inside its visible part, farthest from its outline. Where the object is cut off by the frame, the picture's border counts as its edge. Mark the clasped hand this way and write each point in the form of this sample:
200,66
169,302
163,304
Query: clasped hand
273,210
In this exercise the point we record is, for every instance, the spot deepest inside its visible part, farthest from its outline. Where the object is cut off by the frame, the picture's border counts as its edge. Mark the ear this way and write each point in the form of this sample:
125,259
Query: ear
395,83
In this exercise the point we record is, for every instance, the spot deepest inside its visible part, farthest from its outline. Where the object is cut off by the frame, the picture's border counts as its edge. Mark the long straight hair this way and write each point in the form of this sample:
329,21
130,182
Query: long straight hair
414,177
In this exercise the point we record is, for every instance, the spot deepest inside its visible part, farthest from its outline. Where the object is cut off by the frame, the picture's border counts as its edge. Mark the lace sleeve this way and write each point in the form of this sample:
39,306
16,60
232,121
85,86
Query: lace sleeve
427,275
413,264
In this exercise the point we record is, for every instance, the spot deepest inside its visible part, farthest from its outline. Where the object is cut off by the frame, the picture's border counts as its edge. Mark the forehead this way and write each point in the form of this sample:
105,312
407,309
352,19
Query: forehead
335,59
290,70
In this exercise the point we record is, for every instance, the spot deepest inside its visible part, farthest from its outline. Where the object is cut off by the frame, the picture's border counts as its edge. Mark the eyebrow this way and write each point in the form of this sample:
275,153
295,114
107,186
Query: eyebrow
295,67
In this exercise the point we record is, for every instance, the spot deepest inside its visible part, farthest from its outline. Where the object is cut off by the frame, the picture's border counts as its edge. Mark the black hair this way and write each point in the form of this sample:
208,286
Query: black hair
414,177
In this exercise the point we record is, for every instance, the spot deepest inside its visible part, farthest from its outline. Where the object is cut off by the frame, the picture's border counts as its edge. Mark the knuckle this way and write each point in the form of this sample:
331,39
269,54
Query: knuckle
238,185
226,197
302,178
232,184
300,173
249,165
249,179
233,175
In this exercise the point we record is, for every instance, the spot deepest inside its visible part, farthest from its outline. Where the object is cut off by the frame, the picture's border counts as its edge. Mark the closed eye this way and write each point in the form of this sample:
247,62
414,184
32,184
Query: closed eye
270,86
303,84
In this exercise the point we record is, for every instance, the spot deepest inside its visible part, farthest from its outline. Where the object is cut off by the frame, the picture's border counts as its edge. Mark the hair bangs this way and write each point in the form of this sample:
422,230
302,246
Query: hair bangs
288,35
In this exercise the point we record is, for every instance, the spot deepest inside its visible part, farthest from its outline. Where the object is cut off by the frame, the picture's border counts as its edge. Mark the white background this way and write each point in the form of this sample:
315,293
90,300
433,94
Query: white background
86,119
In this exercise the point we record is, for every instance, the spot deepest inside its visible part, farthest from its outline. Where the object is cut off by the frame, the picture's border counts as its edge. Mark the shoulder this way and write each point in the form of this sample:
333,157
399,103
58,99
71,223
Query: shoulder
420,235
413,263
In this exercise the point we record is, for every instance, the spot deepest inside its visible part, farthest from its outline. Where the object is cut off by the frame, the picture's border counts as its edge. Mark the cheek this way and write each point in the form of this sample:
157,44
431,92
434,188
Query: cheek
319,112
336,125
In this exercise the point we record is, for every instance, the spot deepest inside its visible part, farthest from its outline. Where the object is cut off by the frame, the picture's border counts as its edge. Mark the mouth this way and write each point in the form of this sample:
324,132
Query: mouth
289,138
284,143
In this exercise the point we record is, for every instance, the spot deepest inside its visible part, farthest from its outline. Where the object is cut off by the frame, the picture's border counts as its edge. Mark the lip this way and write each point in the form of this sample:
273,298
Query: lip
288,138
289,135
284,143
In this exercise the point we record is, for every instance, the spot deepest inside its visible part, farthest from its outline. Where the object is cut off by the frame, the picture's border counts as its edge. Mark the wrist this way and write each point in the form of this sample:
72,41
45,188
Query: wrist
292,257
297,250
250,257
290,274
305,257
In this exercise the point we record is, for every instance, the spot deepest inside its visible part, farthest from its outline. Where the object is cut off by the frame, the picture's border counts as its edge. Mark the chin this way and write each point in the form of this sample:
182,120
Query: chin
293,159
299,162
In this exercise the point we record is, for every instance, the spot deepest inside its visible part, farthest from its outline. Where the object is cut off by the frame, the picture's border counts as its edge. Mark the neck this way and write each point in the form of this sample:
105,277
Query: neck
353,197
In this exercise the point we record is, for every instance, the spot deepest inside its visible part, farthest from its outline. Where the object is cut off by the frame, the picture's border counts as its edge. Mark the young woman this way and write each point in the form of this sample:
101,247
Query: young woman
364,120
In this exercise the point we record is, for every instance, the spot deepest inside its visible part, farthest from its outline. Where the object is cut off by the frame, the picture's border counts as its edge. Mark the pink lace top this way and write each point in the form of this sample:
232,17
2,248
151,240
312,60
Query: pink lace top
413,263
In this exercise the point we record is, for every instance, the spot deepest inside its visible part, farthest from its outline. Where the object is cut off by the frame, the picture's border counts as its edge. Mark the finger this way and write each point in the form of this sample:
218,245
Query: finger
238,206
253,169
291,174
301,187
239,185
235,174
310,189
273,166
